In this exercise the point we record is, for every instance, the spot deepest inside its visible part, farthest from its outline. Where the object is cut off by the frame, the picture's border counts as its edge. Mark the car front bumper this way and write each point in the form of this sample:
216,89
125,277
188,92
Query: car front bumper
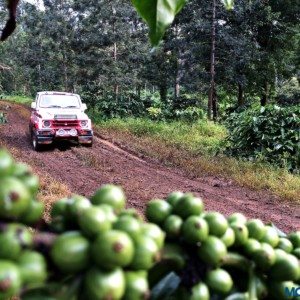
48,136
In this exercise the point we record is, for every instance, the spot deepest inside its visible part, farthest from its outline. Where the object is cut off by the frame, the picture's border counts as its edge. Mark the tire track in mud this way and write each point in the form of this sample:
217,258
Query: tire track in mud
85,169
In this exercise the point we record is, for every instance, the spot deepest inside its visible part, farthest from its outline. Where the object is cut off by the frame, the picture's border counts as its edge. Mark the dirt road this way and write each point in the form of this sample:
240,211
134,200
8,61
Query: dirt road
85,169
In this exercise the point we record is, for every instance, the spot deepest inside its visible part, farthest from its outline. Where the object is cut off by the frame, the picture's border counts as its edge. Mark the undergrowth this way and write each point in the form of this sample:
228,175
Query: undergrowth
194,149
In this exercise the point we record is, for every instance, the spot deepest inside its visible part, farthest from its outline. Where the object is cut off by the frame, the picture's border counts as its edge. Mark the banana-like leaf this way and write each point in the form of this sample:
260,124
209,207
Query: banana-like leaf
158,14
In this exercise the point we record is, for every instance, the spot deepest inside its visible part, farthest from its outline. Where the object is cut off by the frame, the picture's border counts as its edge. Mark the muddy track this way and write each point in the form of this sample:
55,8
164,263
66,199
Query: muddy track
85,169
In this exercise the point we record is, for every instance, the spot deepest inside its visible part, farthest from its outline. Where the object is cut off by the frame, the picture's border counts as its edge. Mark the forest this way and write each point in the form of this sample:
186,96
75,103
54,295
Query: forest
177,177
101,48
238,68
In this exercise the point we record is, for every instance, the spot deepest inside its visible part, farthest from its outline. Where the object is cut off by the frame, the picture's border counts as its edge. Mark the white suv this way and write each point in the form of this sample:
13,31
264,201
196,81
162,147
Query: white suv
59,116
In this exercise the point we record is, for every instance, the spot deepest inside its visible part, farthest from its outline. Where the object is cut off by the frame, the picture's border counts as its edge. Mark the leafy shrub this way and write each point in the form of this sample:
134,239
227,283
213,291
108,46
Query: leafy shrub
150,98
269,133
154,112
187,107
190,114
186,100
110,105
289,93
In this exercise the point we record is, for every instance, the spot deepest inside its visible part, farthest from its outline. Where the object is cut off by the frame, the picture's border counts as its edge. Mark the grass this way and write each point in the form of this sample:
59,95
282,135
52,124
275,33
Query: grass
193,147
197,138
17,98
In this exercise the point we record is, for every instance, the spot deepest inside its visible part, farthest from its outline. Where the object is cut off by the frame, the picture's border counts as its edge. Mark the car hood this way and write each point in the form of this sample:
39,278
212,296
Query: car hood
50,113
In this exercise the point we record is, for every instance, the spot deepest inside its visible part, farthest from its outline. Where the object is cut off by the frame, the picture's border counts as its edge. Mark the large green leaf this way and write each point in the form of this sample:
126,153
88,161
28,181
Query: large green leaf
228,4
158,14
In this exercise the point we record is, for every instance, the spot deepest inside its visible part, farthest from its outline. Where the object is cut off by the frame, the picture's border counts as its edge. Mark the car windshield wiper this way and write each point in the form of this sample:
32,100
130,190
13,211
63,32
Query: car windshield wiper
54,106
70,106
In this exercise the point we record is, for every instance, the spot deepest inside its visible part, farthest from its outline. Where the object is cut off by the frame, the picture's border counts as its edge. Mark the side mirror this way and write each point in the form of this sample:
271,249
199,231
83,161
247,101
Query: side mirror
33,105
83,107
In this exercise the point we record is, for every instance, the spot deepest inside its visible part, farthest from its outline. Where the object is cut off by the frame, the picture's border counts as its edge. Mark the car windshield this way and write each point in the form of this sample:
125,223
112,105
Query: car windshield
59,101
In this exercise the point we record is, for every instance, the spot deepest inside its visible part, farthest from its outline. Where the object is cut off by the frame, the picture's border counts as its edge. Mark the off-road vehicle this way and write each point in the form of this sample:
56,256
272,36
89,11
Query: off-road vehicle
59,116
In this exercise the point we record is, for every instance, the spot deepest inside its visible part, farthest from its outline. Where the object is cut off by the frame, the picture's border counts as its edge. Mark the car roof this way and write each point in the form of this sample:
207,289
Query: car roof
56,93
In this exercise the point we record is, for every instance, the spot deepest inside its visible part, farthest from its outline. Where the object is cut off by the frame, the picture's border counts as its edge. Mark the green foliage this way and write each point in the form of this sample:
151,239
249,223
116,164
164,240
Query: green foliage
158,14
151,98
289,92
202,137
124,105
109,105
228,4
100,47
154,112
59,259
18,98
190,147
190,114
269,133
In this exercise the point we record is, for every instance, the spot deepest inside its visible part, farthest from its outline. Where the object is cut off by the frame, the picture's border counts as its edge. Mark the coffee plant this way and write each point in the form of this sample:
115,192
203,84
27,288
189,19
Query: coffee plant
97,249
270,133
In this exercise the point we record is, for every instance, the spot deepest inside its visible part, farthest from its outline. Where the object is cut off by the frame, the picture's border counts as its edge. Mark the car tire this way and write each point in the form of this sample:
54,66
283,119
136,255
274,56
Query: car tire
87,145
34,142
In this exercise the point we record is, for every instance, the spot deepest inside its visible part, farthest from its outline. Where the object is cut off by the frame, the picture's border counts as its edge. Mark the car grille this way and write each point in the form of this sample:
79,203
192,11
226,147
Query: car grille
65,123
65,117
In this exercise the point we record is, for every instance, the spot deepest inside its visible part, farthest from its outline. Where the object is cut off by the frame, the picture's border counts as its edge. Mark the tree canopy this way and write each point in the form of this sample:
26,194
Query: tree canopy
100,49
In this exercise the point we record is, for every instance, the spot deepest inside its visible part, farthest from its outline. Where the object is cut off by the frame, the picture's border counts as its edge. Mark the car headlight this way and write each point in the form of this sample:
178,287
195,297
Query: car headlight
84,123
46,123
73,132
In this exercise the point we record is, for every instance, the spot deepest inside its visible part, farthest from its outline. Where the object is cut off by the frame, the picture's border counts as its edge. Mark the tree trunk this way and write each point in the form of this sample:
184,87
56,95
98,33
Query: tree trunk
39,69
138,91
179,74
65,70
163,91
177,68
115,54
265,97
115,51
212,100
241,98
40,76
116,86
177,83
116,91
215,105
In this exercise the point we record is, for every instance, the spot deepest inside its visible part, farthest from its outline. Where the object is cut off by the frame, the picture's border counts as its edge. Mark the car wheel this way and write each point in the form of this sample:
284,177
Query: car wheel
87,145
34,142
